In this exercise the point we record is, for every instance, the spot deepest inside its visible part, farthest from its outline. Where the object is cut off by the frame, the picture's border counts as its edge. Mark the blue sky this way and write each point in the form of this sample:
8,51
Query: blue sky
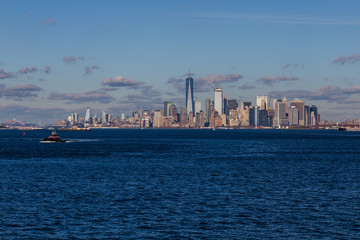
58,57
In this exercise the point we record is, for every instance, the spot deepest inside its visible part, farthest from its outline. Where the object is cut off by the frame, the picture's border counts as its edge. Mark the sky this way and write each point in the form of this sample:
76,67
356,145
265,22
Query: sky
59,57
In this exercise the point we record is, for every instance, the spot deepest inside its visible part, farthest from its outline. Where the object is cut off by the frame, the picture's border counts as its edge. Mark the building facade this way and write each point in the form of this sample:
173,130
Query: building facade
190,94
219,100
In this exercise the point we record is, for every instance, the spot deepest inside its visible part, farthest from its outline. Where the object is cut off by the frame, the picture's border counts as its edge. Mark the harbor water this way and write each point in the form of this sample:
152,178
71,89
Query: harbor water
180,184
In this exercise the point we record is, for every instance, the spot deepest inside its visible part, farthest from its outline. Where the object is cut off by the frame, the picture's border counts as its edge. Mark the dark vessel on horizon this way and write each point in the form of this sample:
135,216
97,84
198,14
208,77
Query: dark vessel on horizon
54,137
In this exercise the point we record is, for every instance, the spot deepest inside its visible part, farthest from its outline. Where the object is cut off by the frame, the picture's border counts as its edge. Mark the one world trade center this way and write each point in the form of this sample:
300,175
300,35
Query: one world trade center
190,94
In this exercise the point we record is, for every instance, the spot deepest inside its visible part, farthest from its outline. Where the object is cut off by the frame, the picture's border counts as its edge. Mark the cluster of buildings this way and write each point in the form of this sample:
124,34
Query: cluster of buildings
219,112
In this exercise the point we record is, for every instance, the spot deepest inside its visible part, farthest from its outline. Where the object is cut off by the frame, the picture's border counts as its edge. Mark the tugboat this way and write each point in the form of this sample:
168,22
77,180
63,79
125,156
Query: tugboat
54,137
342,129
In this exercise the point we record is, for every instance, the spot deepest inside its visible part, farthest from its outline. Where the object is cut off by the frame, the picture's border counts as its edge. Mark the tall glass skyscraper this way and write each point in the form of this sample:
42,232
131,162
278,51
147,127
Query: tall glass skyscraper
190,94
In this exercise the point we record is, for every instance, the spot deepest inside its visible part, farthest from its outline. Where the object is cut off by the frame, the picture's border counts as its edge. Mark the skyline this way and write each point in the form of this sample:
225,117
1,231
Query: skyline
60,57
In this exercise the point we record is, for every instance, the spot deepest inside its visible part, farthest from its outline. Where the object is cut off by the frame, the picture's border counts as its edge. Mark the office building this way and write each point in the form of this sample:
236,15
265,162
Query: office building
266,100
190,94
300,105
293,114
263,118
251,116
231,105
173,112
307,116
313,115
280,118
225,102
183,117
208,110
87,115
197,106
166,108
219,100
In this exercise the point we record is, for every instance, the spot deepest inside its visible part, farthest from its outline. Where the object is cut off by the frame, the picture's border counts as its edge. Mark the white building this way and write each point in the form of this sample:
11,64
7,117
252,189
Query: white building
197,106
219,100
266,100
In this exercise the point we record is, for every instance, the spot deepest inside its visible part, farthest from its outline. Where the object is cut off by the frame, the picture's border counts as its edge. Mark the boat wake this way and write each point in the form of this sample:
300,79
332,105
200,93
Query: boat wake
82,140
75,141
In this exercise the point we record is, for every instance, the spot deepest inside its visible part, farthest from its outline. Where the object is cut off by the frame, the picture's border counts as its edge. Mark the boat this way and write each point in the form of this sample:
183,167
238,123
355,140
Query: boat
75,129
349,129
54,137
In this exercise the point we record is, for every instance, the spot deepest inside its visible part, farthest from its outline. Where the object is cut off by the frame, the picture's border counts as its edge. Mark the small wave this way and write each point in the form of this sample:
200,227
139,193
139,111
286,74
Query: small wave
74,141
83,140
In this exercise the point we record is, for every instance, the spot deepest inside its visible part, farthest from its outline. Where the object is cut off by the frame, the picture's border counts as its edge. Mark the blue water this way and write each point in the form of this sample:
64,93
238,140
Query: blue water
180,184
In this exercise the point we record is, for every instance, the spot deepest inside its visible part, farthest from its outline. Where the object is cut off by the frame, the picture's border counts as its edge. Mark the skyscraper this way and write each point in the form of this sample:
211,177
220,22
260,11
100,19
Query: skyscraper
307,116
87,115
173,112
166,108
225,102
293,116
313,115
190,94
219,100
263,118
231,105
208,110
299,104
280,118
103,117
266,100
197,106
183,117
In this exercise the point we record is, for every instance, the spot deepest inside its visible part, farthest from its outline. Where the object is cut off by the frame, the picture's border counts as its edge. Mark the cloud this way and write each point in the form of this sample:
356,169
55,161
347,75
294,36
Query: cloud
88,70
287,65
47,69
290,65
327,93
72,59
203,84
270,80
147,97
4,75
26,70
91,96
19,92
32,114
109,89
246,86
121,81
350,59
274,19
49,21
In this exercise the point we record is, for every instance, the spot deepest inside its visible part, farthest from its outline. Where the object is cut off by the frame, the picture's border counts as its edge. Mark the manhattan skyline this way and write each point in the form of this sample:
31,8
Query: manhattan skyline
61,56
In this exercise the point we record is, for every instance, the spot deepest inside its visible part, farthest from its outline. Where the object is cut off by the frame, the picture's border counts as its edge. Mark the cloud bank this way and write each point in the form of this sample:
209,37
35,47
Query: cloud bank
26,70
4,75
91,96
72,59
327,93
89,70
204,84
19,92
270,80
344,60
49,21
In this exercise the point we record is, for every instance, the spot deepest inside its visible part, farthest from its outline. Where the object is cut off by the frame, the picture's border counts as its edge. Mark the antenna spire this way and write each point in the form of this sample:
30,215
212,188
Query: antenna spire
189,72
